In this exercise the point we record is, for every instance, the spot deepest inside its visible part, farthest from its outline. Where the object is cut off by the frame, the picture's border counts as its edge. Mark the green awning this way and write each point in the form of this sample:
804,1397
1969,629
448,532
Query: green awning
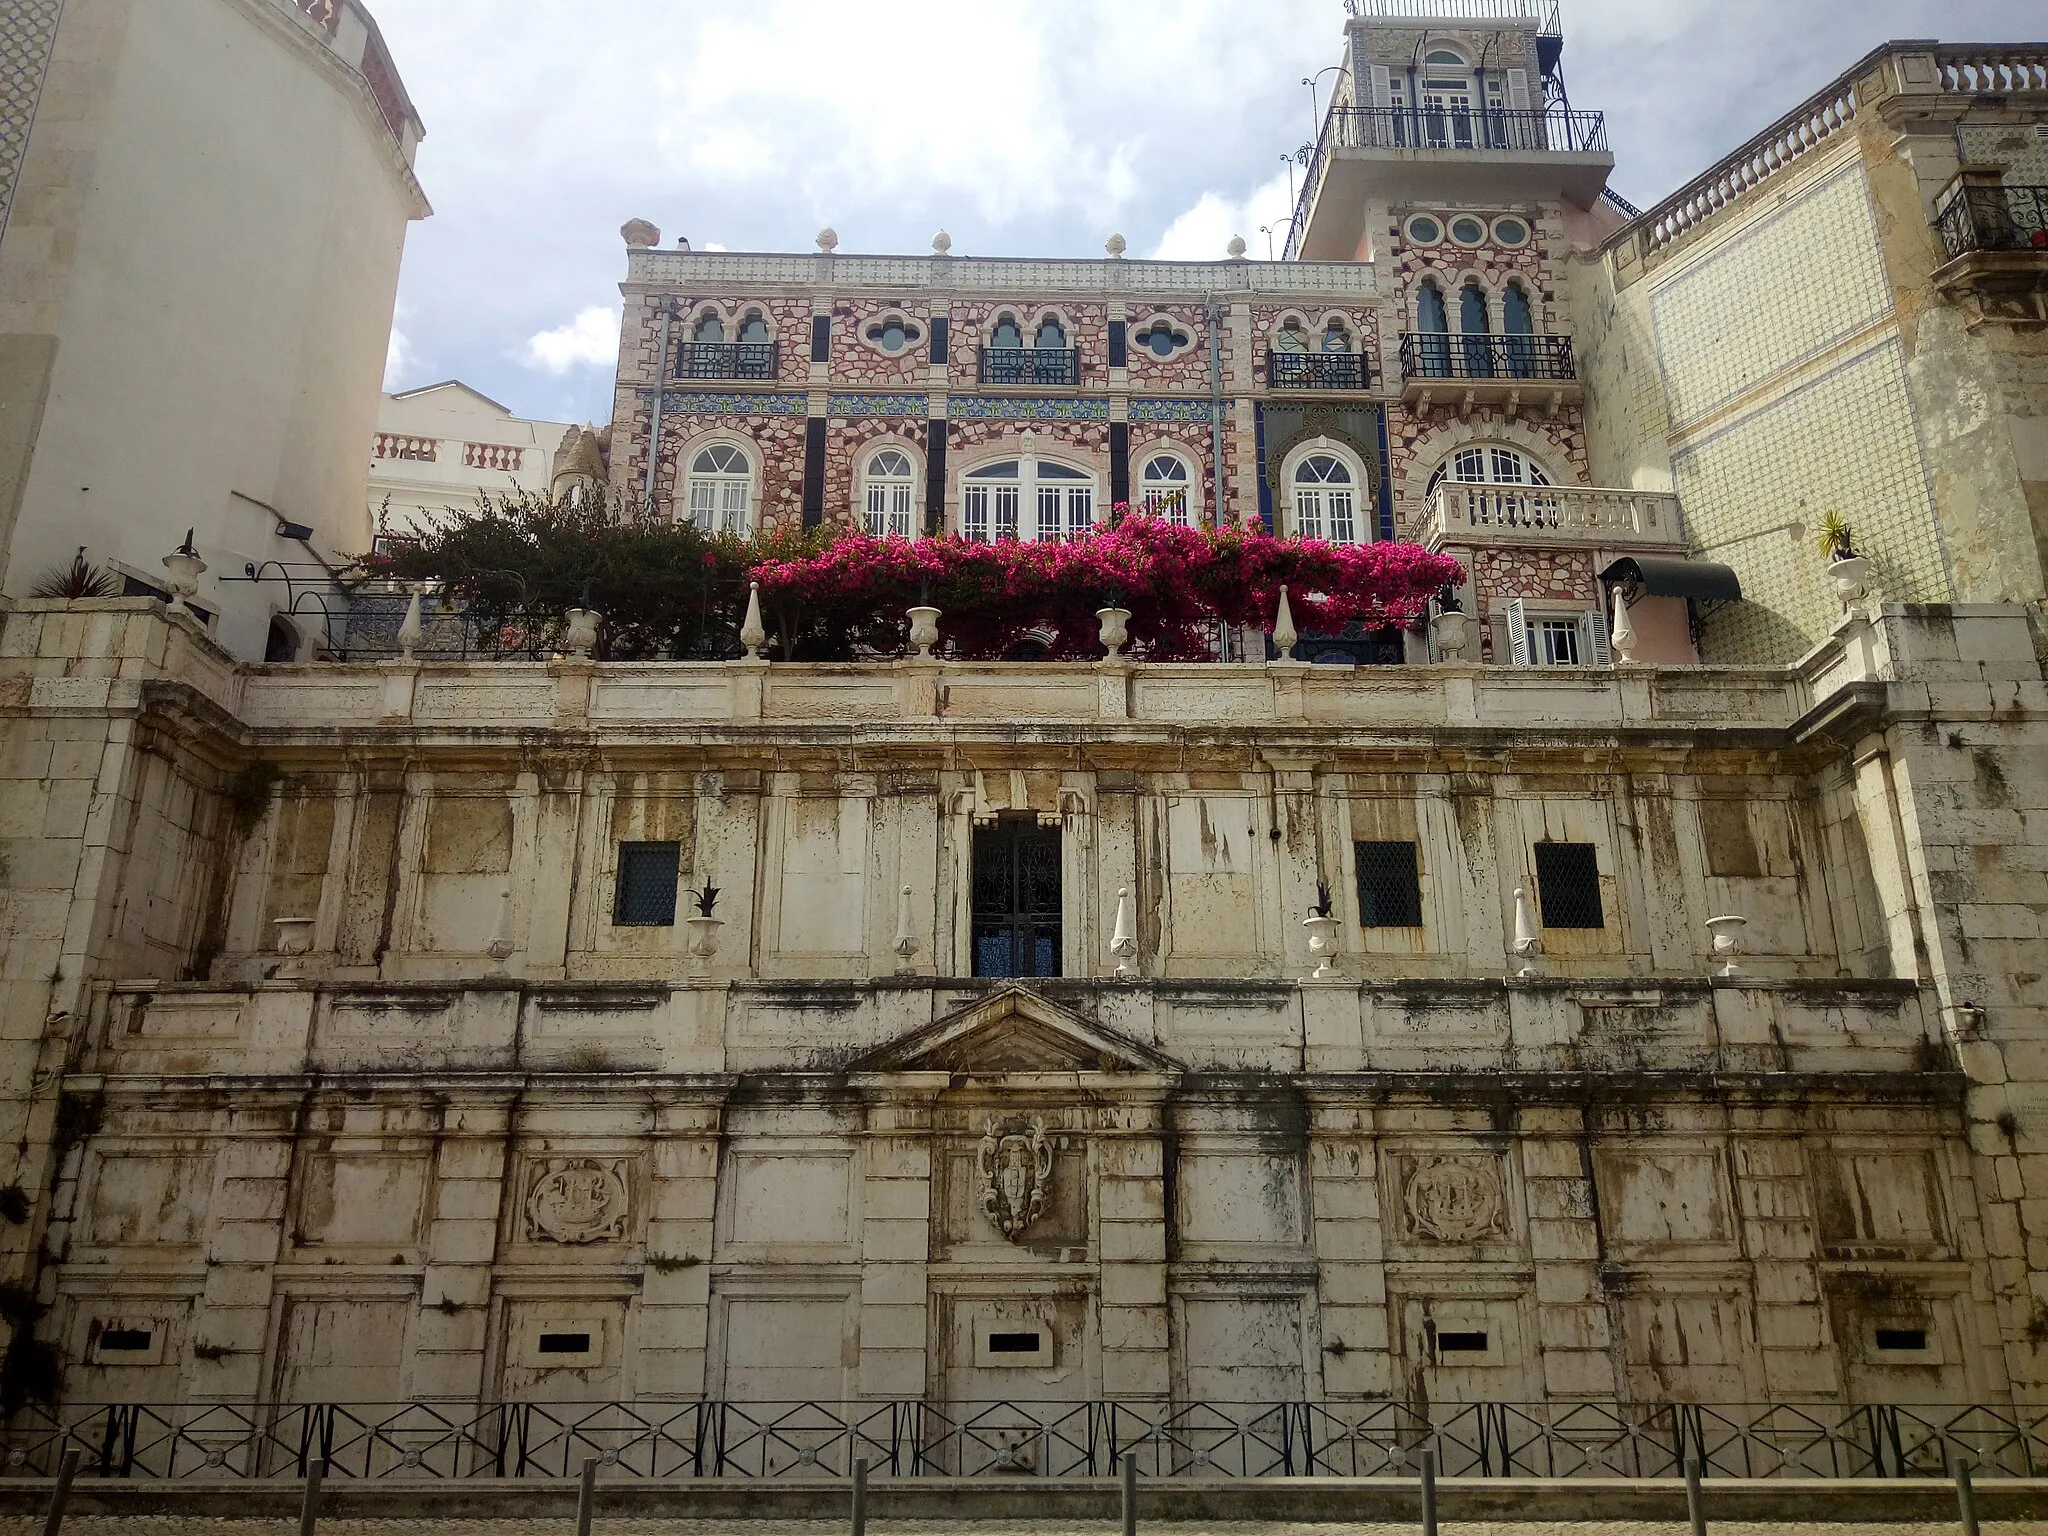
1656,576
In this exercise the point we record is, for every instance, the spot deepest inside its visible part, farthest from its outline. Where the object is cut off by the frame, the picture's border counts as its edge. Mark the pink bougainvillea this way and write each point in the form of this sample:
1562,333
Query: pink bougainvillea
1178,583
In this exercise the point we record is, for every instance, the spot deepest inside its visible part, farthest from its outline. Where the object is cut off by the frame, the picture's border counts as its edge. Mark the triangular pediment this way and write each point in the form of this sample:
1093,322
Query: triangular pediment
1015,1030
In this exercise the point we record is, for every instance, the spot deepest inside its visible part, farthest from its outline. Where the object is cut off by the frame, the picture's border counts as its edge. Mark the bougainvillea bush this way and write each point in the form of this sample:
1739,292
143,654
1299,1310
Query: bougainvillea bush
672,591
1178,583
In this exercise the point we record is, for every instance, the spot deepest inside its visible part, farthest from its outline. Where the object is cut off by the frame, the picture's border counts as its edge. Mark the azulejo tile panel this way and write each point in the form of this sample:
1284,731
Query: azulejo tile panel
1024,408
28,29
877,405
681,402
1171,410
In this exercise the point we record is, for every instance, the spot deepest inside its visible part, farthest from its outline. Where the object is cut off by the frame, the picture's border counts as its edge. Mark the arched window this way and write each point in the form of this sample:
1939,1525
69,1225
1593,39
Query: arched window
282,643
891,499
1433,343
1519,329
709,329
1291,337
1006,334
993,500
1052,336
1325,494
721,489
1447,101
1163,489
754,331
1336,338
1498,487
1474,323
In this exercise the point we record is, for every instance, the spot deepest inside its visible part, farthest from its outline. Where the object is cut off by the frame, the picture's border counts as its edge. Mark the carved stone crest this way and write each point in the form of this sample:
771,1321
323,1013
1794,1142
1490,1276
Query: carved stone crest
1453,1199
1016,1176
577,1200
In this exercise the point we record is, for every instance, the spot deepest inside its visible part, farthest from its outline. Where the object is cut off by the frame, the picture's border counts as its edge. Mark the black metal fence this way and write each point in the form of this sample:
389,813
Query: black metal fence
1467,127
1029,365
1995,219
1464,355
1317,370
1011,1439
757,360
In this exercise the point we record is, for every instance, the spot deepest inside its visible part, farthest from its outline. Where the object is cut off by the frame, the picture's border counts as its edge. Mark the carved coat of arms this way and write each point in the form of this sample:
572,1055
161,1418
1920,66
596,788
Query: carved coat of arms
1454,1200
1016,1176
577,1200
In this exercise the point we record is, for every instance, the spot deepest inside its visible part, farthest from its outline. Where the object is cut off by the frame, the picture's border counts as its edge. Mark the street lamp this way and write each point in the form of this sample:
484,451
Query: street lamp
1315,111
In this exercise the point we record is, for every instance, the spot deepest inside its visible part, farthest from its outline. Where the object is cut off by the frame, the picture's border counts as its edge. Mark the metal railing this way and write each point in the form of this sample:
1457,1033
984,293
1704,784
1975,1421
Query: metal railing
1980,218
1542,12
752,1441
1317,370
728,360
1029,365
1455,355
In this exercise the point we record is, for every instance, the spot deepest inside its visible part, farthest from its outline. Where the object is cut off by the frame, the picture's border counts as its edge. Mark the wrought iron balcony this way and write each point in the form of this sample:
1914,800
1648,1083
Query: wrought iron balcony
1449,355
1029,365
758,360
1317,370
1994,218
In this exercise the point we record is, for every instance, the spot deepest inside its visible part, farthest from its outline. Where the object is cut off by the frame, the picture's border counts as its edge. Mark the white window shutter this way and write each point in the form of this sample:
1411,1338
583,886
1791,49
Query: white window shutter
1518,90
1382,86
1593,638
1518,633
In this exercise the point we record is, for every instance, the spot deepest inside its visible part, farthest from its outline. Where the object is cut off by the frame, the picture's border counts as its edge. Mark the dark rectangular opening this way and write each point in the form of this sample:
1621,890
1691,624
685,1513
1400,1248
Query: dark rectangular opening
117,1340
1461,1344
942,329
821,338
1014,1343
1389,886
648,875
1017,899
565,1343
1568,885
1902,1338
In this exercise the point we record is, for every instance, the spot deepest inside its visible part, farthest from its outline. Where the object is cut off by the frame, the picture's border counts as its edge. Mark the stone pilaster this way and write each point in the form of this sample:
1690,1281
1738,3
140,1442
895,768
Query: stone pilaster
1350,1249
675,1293
1130,1242
895,1231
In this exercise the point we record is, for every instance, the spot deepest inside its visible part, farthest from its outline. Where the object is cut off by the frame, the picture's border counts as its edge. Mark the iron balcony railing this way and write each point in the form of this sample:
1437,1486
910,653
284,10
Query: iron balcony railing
1553,131
1317,370
1449,355
809,1440
1029,365
760,360
1976,218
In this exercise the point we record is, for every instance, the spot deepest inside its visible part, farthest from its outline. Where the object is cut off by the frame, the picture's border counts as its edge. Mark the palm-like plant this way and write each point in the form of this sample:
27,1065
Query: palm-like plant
80,579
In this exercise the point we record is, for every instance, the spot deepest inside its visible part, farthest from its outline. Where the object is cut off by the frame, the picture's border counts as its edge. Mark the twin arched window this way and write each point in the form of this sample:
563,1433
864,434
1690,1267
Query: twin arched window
752,330
1479,353
721,489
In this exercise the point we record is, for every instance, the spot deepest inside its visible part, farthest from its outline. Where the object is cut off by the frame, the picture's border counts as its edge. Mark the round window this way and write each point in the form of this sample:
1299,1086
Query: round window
1467,230
1510,232
1424,230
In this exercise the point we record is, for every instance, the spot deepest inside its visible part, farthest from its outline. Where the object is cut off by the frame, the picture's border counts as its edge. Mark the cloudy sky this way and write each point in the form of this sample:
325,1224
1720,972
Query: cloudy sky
1021,127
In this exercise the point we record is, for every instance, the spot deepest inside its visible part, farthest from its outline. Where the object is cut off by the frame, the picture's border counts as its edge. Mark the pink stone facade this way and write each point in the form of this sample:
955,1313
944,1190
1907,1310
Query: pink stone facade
1184,371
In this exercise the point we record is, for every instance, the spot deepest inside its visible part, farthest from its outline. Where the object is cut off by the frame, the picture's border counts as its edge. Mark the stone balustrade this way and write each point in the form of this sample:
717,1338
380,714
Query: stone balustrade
1561,516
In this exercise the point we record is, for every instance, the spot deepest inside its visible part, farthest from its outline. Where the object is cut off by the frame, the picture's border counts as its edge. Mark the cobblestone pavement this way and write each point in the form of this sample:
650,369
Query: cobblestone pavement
184,1525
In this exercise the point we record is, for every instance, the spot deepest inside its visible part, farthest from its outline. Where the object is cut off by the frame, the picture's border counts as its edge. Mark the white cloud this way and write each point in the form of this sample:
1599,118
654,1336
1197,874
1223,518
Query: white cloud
591,340
1203,232
399,360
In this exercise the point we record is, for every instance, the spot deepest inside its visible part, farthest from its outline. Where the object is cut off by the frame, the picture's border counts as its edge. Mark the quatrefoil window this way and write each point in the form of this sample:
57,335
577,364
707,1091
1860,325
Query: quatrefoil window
1161,338
892,333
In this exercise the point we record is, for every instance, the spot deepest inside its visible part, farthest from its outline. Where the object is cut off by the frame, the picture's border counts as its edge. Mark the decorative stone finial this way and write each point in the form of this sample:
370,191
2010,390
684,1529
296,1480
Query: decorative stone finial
1236,248
906,945
942,244
1284,632
1123,937
1116,246
753,633
828,239
1527,943
1623,633
639,234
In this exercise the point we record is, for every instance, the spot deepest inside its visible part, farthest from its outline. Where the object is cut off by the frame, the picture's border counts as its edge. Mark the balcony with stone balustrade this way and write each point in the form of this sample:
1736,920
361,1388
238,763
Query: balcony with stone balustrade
1464,516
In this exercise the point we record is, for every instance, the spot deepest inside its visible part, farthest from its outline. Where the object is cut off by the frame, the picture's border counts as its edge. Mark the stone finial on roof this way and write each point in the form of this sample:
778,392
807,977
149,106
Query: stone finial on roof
1236,248
1116,245
942,244
828,239
639,234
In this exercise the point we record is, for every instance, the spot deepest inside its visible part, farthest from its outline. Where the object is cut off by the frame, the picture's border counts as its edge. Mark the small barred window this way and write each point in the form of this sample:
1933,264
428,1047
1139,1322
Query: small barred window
1568,883
1389,885
648,874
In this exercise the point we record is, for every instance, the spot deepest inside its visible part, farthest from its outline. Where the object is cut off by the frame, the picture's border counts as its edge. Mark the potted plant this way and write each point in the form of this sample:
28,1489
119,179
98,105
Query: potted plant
704,927
1845,565
1450,625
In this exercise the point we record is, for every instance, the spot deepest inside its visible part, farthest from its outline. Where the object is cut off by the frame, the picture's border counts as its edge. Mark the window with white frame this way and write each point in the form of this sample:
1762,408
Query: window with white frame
891,494
1163,489
721,489
1555,639
1325,496
1028,499
1498,487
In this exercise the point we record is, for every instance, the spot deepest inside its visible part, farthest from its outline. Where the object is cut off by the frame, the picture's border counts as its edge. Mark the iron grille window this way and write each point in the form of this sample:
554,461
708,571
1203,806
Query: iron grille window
1568,884
1389,888
647,885
1017,900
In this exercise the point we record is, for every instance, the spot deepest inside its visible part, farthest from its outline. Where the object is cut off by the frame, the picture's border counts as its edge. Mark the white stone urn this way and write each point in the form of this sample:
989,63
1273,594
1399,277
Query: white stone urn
704,935
184,568
1850,574
753,634
1452,628
1727,932
1322,943
1114,630
924,629
579,636
294,935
